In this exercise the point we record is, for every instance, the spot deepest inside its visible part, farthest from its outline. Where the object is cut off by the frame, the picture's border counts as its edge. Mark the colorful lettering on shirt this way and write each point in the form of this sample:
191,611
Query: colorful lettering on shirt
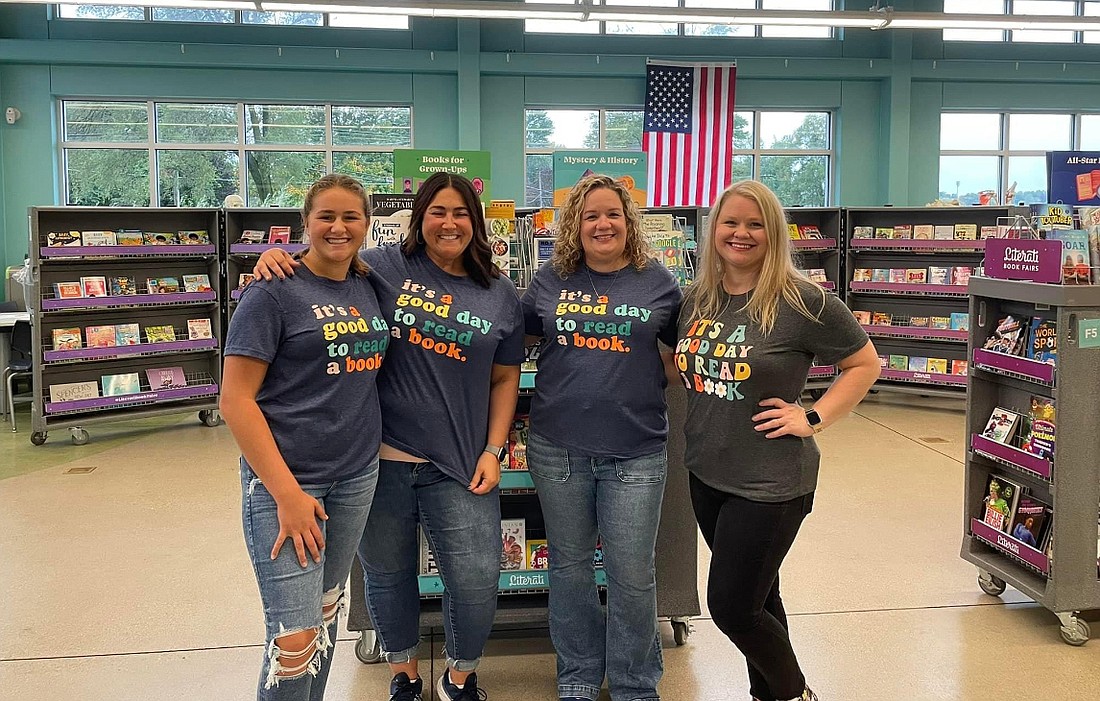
610,334
714,360
425,318
347,338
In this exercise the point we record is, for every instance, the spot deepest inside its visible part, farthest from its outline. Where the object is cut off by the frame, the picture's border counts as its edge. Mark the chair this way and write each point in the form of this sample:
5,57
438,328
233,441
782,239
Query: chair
20,364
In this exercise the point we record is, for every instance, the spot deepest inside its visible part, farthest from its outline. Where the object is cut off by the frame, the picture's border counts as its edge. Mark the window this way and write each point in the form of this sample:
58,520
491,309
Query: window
1006,152
214,16
187,154
1045,7
549,130
975,7
790,152
1050,8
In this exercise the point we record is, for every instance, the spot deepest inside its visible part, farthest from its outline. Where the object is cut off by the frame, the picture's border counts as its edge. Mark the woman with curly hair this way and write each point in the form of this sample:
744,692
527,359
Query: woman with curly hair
596,449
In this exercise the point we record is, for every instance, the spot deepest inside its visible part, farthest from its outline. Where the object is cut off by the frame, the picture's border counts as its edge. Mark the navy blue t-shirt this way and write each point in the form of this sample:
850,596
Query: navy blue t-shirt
324,342
600,384
448,332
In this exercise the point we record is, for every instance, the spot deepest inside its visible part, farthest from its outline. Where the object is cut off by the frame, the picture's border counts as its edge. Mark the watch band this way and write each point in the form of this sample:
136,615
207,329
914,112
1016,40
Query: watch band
496,450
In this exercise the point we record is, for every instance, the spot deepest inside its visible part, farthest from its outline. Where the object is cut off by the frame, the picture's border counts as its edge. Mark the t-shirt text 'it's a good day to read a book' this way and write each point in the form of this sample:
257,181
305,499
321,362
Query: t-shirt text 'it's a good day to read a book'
428,319
595,334
359,355
716,364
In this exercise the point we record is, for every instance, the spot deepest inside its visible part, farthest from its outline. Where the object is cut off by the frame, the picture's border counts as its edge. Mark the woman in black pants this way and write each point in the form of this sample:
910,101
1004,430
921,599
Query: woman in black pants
750,327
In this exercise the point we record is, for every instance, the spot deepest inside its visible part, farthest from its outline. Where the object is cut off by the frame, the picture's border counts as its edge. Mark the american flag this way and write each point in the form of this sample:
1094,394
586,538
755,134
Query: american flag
688,132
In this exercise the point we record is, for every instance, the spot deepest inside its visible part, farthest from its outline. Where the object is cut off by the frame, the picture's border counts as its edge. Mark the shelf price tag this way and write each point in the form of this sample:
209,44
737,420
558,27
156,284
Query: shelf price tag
1088,333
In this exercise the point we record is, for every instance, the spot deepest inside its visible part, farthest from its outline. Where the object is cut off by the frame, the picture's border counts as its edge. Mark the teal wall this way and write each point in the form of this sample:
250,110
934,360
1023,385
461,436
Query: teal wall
469,81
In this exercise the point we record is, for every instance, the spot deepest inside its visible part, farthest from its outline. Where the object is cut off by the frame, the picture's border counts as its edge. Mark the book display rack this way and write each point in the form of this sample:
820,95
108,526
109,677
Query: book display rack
1032,482
248,232
125,316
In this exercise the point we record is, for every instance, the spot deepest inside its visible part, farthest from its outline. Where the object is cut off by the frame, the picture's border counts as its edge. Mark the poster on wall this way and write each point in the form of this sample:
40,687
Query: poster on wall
389,222
628,167
1073,177
411,167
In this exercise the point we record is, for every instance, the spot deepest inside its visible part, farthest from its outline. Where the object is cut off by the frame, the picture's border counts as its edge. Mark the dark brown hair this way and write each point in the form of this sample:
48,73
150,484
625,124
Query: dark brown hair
477,258
344,182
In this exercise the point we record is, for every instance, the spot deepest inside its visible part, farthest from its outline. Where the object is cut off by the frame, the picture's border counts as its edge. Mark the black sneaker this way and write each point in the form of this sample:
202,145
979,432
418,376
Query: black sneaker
467,692
402,689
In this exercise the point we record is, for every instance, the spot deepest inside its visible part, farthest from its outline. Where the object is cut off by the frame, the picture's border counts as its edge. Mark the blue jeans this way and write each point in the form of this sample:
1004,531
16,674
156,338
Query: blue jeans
620,501
293,596
464,532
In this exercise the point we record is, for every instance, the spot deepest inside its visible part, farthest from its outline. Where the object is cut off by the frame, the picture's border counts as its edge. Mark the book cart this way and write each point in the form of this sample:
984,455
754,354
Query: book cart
241,256
897,303
1066,582
823,254
87,364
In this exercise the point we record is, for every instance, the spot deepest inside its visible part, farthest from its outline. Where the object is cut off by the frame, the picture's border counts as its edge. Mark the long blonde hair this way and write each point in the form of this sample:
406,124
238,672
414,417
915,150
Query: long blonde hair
779,278
568,250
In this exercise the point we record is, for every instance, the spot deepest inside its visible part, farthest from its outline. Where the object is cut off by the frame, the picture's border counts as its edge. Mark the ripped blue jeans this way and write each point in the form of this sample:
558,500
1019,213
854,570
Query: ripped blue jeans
297,598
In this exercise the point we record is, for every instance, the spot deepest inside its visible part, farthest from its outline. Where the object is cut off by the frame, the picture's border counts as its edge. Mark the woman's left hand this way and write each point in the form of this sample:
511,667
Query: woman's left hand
784,419
487,474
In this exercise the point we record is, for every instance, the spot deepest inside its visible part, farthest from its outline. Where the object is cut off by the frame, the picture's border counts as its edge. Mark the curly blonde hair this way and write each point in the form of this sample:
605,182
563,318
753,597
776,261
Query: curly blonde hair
568,250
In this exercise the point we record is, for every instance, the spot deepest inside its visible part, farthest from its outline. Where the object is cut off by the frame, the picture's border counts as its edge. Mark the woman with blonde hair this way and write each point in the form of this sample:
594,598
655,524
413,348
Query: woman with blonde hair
596,448
750,328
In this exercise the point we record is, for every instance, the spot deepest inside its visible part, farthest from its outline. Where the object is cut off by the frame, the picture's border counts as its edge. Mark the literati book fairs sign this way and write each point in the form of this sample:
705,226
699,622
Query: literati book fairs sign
1024,259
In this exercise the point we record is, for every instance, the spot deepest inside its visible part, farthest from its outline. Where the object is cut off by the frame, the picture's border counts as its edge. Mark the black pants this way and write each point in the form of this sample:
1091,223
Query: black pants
748,541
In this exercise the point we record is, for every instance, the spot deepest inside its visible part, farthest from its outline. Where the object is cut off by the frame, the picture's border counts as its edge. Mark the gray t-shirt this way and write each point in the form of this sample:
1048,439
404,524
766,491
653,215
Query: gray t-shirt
448,332
730,367
600,384
324,341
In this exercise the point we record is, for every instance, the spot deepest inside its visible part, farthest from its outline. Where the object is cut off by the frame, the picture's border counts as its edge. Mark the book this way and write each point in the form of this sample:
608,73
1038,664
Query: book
72,391
960,321
916,276
918,364
884,232
166,378
899,362
924,232
160,238
959,367
94,286
117,385
244,279
792,231
163,285
63,238
1076,257
67,339
937,365
1001,496
1001,426
196,283
898,275
1039,428
1044,340
100,336
516,458
195,237
809,231
967,232
861,275
159,334
1090,222
253,236
1029,521
127,334
863,232
960,274
538,554
880,275
939,322
129,237
597,556
863,317
881,319
944,232
1048,217
884,361
99,238
427,557
513,553
989,232
68,290
123,285
903,231
1007,335
919,321
938,275
198,329
817,275
278,234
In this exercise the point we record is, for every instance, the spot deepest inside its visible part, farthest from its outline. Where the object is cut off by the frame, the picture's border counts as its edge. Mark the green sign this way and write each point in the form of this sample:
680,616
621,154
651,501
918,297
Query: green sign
411,167
1088,333
628,167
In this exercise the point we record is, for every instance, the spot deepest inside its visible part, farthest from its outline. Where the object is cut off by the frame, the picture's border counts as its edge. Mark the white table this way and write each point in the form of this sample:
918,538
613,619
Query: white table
7,321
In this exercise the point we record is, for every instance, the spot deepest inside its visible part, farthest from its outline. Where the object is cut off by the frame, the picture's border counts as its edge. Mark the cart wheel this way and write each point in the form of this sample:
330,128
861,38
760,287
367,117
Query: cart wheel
210,417
38,437
680,631
994,586
79,436
1076,635
368,649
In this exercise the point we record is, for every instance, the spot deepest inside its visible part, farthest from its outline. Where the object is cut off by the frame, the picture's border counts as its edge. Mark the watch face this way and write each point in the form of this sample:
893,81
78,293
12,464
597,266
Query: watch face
812,418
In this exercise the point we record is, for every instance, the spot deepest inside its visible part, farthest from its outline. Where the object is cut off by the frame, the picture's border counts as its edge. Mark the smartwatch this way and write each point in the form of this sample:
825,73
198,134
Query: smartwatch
498,450
814,419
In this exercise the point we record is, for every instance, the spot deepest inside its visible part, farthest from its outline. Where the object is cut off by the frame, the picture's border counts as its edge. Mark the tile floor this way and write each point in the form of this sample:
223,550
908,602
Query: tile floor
130,582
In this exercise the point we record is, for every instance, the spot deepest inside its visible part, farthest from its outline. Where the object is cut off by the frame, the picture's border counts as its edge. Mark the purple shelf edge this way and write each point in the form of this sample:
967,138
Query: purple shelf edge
126,300
128,399
113,351
261,247
922,288
822,371
944,244
815,244
1043,372
1005,543
80,251
1020,458
934,378
916,331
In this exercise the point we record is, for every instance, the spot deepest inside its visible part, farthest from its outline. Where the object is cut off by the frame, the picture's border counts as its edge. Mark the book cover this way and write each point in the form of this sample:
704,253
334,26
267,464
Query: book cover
1029,521
919,321
243,280
1048,217
278,234
427,557
1090,222
989,232
792,232
68,290
513,554
944,232
94,286
862,275
253,236
63,238
902,231
199,329
967,232
884,232
597,556
166,378
924,232
72,391
117,385
939,275
67,339
918,364
1076,258
1001,496
123,285
538,554
1044,340
160,238
1039,432
159,334
916,276
884,361
195,237
881,319
809,231
129,237
100,336
863,232
960,274
817,275
959,367
1001,426
127,334
899,362
937,365
196,283
960,321
1006,335
939,322
516,458
163,285
880,275
863,317
99,238
899,275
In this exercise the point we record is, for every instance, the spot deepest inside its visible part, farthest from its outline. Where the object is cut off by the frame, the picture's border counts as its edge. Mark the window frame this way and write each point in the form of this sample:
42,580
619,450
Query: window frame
1008,36
238,20
757,151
